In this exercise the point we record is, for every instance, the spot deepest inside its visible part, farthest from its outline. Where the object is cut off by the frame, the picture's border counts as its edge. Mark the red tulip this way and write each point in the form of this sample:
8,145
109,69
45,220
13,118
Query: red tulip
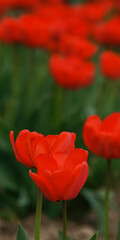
108,32
30,27
110,64
95,11
10,31
73,45
103,137
61,169
27,145
62,172
71,72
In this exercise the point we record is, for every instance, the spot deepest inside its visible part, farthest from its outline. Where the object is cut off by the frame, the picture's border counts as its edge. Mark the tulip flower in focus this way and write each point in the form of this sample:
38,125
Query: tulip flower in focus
71,72
62,172
110,65
103,137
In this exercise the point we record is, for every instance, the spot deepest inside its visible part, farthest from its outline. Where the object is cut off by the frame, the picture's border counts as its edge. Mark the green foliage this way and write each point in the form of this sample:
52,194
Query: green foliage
60,236
96,200
95,236
118,234
52,209
68,238
21,234
77,1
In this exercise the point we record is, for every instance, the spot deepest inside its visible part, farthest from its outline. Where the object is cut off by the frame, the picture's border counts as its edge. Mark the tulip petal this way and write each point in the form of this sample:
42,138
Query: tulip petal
111,124
51,139
76,181
23,148
76,157
60,159
44,183
45,161
91,133
24,160
15,150
64,143
38,144
114,147
59,181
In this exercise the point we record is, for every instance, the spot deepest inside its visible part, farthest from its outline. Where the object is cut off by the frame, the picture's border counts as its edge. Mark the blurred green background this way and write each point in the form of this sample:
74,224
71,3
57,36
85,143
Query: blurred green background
30,99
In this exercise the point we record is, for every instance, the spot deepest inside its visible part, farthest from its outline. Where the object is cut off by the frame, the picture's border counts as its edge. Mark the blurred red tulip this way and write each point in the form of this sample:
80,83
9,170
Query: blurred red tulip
10,31
49,23
71,72
34,33
73,45
108,32
63,171
110,65
103,137
95,11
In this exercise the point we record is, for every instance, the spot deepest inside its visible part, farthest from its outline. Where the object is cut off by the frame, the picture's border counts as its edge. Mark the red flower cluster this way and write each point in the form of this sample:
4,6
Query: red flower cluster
61,28
62,170
64,29
10,4
110,65
44,23
103,137
71,72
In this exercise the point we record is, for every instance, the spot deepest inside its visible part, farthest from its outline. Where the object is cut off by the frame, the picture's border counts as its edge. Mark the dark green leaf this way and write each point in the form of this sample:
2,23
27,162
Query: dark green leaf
21,234
95,236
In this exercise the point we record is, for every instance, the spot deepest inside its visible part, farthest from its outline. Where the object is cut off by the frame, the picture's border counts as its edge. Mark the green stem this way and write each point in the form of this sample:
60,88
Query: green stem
64,221
107,201
58,108
30,82
109,99
38,215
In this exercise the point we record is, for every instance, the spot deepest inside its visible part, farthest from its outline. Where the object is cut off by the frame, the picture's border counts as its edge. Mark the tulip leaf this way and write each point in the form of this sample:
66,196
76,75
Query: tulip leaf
118,234
94,237
61,236
21,234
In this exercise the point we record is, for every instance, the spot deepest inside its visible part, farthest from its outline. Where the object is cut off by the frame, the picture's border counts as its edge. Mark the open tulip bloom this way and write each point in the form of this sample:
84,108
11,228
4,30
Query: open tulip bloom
62,170
103,139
